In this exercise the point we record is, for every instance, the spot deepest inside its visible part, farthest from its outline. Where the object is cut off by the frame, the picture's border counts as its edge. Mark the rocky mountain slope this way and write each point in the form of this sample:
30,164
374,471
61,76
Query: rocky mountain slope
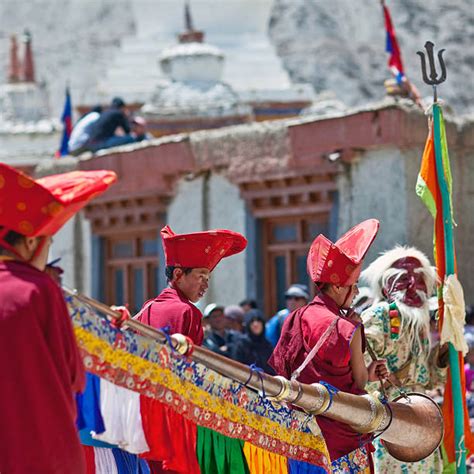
338,45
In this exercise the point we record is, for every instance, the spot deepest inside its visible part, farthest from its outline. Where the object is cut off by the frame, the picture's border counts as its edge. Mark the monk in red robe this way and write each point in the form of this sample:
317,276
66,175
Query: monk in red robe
190,259
328,323
41,369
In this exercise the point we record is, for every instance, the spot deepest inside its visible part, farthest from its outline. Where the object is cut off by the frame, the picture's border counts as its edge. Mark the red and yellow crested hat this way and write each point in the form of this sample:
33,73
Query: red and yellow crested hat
41,207
200,249
340,263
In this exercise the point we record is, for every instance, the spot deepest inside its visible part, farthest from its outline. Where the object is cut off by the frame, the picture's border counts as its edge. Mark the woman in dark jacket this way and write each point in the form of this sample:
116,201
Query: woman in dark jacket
253,348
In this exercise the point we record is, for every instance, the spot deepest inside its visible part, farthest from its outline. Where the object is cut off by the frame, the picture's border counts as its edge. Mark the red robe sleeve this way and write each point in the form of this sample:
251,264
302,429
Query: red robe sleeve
42,370
169,309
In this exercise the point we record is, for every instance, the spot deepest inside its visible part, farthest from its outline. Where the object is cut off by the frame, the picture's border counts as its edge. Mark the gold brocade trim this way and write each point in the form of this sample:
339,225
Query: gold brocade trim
142,368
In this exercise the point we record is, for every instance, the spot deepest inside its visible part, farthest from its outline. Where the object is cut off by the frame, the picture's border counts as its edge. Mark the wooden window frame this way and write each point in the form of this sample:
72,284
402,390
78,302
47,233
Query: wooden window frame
147,263
291,250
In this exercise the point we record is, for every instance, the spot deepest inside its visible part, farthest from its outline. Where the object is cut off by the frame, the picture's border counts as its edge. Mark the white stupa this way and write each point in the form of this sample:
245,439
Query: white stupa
193,85
239,28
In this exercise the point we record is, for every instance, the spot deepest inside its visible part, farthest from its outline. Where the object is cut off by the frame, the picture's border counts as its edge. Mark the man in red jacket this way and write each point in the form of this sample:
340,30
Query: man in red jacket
40,366
190,259
324,342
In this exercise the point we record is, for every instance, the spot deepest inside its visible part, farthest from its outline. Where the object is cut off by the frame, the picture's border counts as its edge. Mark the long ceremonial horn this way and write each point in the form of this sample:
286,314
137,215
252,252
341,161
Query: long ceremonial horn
411,426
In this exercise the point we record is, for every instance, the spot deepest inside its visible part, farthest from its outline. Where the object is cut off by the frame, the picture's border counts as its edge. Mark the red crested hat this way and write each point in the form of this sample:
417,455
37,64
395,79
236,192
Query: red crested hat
200,249
41,207
341,263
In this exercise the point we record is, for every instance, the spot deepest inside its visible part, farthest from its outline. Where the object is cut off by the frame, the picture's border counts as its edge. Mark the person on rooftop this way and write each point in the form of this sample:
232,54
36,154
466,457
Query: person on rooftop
139,129
81,132
112,128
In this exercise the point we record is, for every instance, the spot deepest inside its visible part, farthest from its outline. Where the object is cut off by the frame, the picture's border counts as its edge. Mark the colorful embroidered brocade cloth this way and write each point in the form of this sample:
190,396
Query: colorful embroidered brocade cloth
201,395
356,462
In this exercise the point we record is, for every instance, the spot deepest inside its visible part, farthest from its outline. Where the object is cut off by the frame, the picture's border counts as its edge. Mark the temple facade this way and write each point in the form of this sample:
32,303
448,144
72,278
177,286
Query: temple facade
280,183
237,146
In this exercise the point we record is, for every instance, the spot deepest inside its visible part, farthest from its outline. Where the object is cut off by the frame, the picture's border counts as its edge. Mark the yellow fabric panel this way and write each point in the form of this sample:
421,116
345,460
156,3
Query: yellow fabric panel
261,461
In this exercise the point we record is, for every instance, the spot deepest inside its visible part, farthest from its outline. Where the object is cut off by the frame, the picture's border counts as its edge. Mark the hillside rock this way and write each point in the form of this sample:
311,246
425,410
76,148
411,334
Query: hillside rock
335,45
340,45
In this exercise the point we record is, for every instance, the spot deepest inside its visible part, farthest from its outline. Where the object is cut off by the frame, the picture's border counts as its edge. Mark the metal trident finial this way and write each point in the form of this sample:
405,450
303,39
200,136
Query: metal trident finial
433,79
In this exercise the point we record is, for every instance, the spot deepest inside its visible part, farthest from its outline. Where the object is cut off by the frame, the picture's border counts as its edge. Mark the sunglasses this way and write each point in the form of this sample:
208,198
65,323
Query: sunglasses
294,298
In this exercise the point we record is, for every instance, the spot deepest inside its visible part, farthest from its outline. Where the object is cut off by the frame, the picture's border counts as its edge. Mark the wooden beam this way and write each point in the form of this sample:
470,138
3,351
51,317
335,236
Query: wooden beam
319,169
290,190
292,211
106,230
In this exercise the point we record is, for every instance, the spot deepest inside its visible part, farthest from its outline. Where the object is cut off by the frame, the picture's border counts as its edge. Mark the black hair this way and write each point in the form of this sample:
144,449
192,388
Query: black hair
97,108
11,238
118,102
249,302
169,269
322,287
469,315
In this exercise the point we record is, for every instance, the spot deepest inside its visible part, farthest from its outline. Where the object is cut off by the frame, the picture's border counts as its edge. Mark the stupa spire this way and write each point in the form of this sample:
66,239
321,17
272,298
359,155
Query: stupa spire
190,35
28,63
14,66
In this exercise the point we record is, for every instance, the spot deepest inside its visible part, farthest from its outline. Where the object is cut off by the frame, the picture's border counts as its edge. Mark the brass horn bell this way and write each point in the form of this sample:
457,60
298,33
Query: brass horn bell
416,430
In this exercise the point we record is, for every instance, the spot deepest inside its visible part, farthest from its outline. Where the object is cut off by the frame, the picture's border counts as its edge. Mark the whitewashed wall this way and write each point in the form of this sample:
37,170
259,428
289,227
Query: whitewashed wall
73,245
19,149
73,241
375,186
225,210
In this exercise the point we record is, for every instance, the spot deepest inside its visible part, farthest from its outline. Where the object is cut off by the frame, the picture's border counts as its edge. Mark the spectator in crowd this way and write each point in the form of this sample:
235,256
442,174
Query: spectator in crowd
139,129
470,318
248,304
253,347
112,128
217,338
296,296
234,316
469,372
469,366
81,132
